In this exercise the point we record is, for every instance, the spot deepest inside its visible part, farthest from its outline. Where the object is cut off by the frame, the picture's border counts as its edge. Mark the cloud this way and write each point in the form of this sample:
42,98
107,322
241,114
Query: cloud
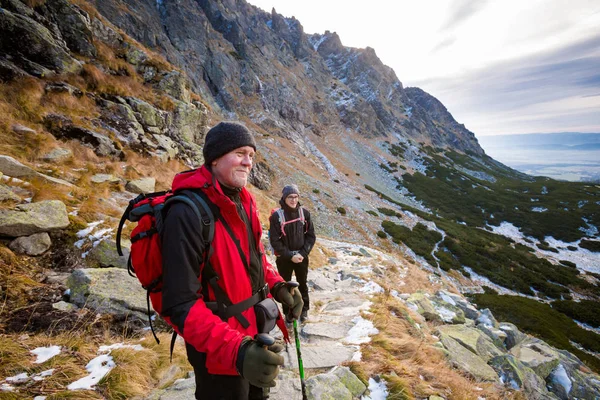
461,10
444,44
543,91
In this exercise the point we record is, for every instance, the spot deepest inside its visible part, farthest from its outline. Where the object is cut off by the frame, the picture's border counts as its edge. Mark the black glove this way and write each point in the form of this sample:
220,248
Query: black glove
291,297
259,365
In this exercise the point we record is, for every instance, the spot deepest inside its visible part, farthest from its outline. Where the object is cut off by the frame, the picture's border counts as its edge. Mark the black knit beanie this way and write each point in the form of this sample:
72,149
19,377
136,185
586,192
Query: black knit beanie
225,137
289,189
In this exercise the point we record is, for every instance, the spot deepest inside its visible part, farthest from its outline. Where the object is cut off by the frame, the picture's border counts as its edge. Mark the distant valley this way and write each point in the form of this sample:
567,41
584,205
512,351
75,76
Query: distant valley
566,156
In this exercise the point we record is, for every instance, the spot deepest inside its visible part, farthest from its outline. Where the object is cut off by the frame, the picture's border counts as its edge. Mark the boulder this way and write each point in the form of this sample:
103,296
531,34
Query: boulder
28,219
467,308
519,377
106,33
537,355
487,318
423,306
449,313
472,339
13,168
143,185
33,245
8,195
62,87
327,386
464,359
105,255
22,130
513,334
103,178
57,155
498,336
350,381
108,290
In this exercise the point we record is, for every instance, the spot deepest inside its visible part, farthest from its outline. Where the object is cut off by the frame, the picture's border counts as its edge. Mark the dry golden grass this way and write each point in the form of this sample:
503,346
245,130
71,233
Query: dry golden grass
412,367
135,374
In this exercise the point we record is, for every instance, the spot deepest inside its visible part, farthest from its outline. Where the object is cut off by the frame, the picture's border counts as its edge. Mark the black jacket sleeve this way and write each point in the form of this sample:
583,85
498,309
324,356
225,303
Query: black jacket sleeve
277,240
309,236
182,249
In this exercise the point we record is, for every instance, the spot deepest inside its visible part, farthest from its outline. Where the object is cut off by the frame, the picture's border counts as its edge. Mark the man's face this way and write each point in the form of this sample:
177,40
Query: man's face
292,200
233,168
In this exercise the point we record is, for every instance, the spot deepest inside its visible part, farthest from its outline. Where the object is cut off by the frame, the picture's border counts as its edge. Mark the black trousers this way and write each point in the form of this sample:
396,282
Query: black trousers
286,268
220,387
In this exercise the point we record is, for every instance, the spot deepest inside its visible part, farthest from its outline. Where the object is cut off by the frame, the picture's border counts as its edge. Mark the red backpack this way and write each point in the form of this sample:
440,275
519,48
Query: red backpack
145,258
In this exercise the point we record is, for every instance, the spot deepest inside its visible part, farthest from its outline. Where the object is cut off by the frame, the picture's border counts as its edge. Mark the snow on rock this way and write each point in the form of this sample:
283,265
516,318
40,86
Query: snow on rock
361,331
372,288
378,390
559,377
45,353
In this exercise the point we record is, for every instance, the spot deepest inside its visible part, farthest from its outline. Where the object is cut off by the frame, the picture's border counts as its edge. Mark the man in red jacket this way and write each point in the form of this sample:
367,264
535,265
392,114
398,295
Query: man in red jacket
228,363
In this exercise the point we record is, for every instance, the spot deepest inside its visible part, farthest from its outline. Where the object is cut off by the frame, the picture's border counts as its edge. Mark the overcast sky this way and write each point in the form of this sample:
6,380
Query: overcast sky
500,67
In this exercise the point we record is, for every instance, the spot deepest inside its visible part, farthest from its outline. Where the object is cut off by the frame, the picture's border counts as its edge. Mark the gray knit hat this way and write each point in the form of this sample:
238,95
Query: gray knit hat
225,137
289,189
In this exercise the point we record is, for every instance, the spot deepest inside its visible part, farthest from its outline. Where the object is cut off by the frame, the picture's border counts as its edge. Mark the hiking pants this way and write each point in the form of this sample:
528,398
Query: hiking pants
286,268
220,387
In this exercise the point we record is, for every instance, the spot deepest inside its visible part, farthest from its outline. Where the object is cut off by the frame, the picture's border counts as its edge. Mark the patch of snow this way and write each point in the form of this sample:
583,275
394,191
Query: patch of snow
539,209
560,377
42,375
395,294
108,349
23,377
446,314
357,356
372,288
45,353
378,390
39,398
91,226
534,200
79,243
581,203
98,368
591,230
544,190
360,332
5,387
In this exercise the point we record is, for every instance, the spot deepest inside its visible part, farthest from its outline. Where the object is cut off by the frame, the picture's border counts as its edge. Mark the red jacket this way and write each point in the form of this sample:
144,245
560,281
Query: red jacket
182,253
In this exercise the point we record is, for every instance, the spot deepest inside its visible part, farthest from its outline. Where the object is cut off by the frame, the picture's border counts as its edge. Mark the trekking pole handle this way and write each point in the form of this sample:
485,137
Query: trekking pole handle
292,284
264,339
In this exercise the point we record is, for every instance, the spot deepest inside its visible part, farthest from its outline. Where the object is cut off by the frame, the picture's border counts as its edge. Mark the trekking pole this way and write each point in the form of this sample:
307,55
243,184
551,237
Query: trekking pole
300,366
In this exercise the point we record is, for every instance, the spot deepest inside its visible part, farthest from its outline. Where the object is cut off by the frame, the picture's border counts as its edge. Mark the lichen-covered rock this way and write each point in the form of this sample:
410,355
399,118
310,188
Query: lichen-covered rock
472,339
421,304
498,336
13,168
487,318
464,359
536,355
189,123
513,334
105,255
28,219
142,185
175,84
517,376
327,387
8,195
33,245
102,178
108,290
351,381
